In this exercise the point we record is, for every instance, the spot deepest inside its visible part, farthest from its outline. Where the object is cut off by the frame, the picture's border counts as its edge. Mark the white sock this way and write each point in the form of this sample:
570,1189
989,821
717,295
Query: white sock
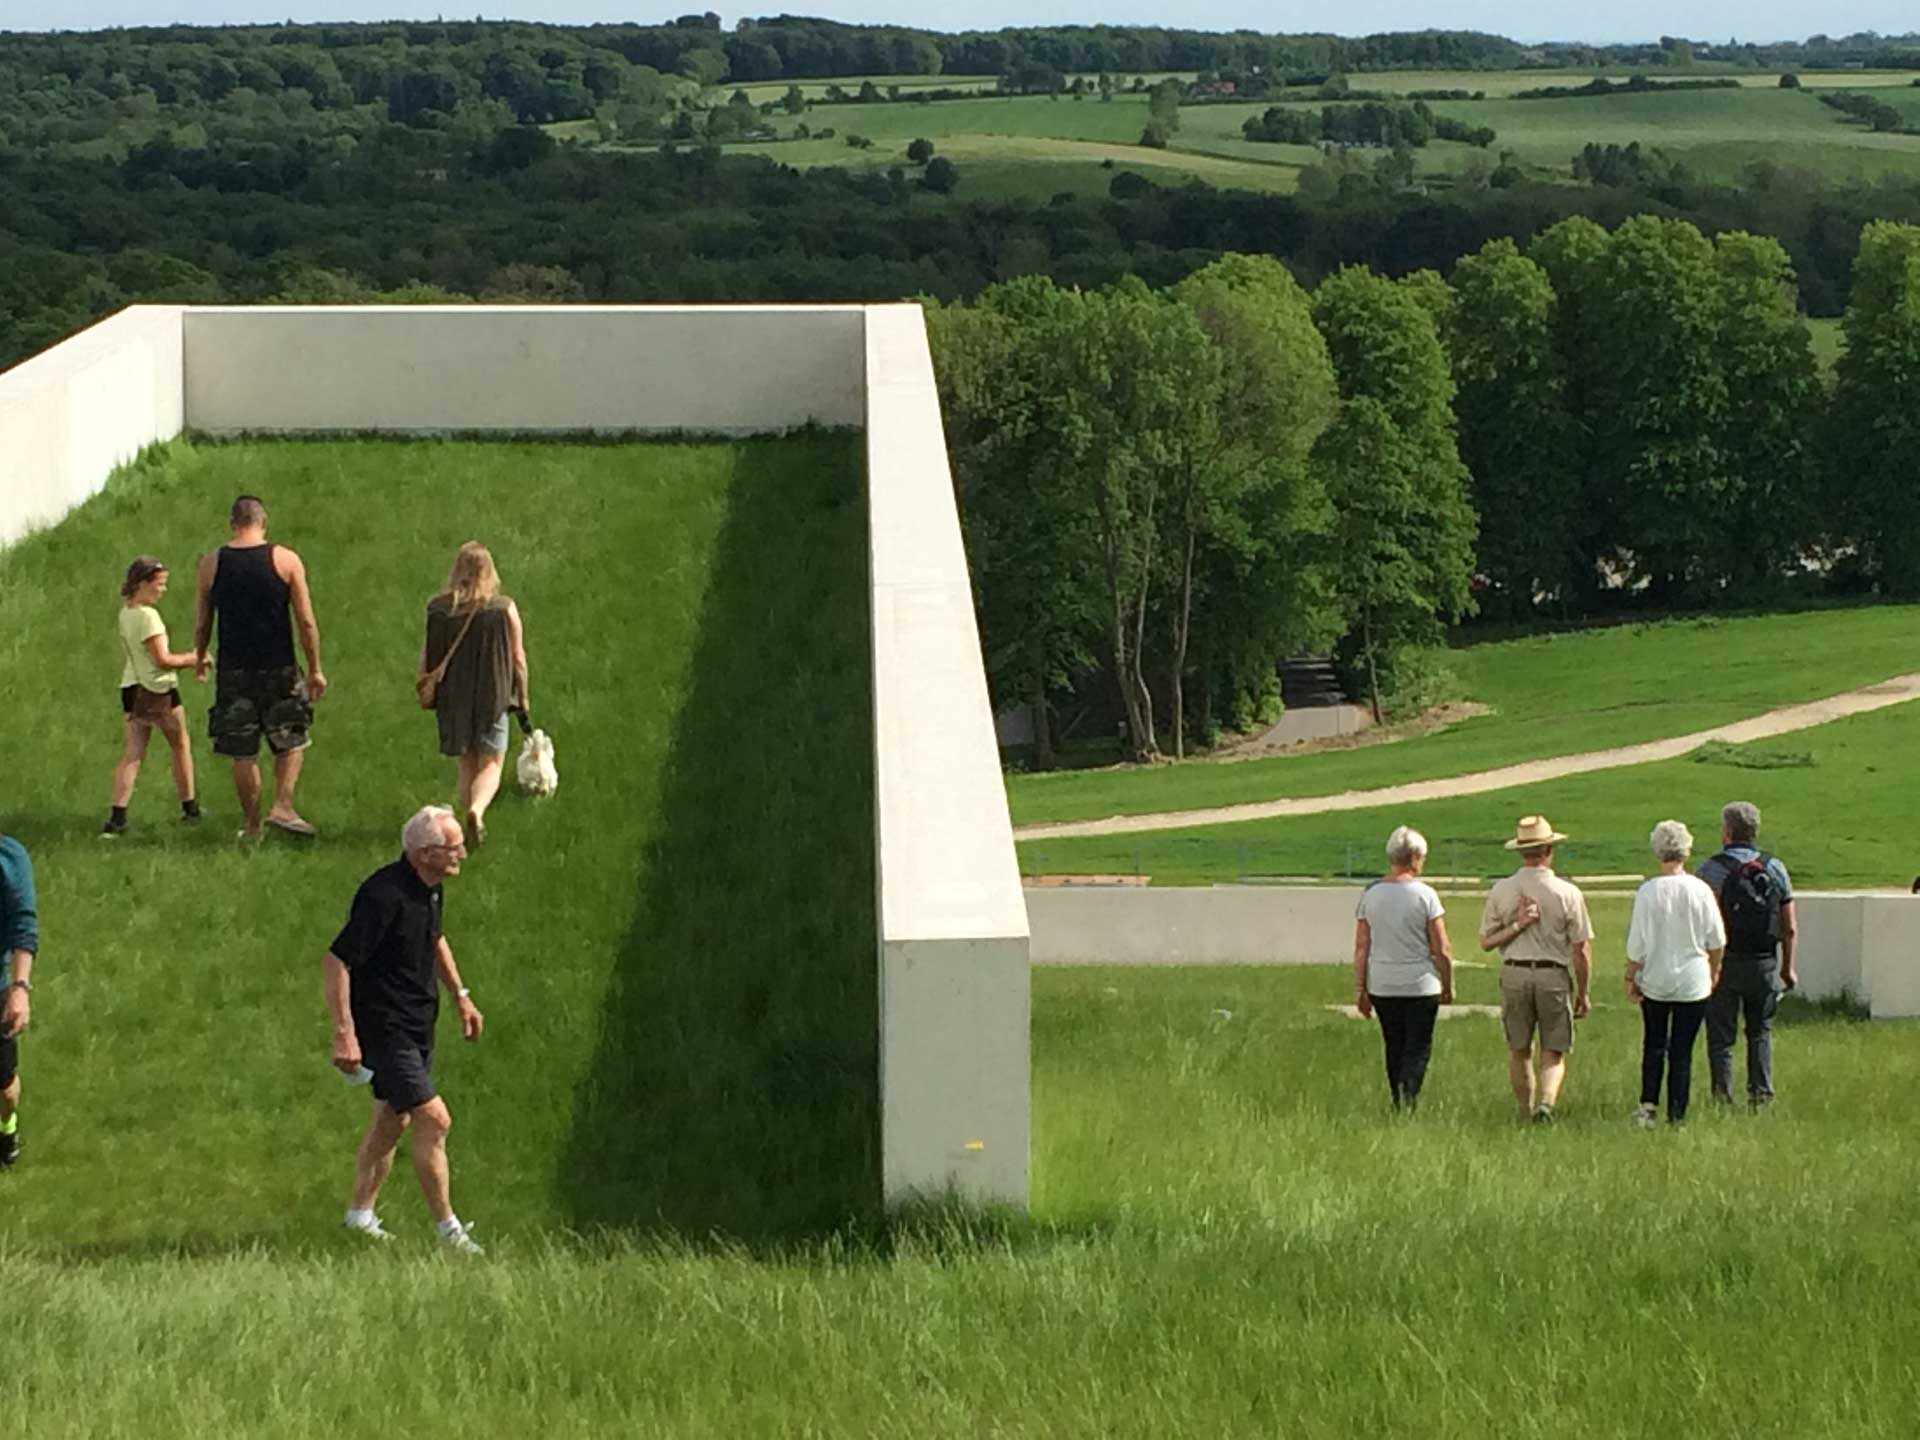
450,1226
359,1219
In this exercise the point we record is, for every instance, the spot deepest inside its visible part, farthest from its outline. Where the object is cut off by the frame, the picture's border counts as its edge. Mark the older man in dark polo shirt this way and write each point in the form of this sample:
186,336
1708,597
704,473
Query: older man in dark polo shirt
379,975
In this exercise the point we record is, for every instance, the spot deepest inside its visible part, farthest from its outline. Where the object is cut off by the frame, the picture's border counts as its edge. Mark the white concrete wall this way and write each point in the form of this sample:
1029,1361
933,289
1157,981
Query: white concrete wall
70,416
1228,925
715,369
1867,946
953,927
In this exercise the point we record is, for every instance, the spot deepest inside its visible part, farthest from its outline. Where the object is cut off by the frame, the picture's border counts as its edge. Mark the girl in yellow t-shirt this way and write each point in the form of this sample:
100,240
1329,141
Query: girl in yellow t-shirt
149,693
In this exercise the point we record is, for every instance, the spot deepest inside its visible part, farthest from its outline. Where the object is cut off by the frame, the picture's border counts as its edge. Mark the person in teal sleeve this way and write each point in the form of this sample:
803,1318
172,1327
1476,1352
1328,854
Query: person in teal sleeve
19,943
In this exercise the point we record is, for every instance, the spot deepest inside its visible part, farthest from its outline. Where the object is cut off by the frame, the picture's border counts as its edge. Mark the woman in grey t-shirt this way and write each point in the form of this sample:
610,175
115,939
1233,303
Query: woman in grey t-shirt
1403,963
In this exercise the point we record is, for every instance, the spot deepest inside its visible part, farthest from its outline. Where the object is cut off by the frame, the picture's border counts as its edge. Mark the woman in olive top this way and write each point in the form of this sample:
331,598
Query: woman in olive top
475,631
149,693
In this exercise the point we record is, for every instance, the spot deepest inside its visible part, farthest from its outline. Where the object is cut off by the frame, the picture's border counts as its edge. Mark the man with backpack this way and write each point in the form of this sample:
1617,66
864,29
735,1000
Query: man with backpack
1756,901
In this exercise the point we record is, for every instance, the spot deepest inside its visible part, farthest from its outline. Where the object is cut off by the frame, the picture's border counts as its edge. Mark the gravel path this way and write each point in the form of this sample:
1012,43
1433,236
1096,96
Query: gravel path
1783,721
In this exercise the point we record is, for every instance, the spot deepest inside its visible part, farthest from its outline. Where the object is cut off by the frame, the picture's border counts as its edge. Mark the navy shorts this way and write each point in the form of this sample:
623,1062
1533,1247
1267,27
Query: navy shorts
9,1060
402,1073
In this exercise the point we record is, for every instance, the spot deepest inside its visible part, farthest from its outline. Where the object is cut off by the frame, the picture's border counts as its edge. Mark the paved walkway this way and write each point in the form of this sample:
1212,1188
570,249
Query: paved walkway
1785,720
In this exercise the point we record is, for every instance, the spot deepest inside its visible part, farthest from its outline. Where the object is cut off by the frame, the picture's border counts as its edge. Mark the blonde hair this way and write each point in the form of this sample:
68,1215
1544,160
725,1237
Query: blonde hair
473,580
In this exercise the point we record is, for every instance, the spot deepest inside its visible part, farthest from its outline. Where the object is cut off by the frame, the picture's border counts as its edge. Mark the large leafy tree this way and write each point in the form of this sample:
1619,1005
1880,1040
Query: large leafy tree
1774,399
1516,436
1574,255
1246,559
1876,406
1660,405
1404,526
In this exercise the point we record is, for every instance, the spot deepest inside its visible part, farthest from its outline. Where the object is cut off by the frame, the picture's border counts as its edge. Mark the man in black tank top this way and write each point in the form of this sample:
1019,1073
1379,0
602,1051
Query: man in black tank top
251,587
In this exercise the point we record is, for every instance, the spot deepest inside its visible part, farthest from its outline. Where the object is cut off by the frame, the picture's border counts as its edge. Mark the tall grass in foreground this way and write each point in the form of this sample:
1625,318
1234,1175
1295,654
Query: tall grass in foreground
1231,1236
675,954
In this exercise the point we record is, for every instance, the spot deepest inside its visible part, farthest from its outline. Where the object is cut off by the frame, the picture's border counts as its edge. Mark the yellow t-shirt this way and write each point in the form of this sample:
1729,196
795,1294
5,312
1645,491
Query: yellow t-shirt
137,624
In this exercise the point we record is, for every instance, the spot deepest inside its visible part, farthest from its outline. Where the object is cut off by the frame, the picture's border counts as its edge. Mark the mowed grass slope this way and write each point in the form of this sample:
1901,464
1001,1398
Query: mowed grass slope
680,1028
1833,801
1231,1237
1555,694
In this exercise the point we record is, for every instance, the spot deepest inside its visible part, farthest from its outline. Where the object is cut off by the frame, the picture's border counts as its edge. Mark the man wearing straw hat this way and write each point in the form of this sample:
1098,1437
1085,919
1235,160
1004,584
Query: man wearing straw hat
1538,922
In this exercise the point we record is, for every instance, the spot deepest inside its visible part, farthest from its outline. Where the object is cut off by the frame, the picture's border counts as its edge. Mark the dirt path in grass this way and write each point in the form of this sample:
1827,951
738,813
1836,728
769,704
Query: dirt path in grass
1783,721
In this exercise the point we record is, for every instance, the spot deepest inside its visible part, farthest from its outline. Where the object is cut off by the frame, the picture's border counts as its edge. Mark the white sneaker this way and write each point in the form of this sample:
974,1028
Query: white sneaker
461,1241
1645,1117
372,1229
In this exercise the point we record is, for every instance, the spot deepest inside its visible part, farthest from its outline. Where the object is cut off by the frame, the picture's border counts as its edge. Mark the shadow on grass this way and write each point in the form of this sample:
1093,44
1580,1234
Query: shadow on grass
1842,1009
733,1093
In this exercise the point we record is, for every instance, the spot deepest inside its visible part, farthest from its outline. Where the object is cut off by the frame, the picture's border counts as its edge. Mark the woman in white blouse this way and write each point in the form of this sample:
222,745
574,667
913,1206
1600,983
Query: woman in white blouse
1402,963
1674,945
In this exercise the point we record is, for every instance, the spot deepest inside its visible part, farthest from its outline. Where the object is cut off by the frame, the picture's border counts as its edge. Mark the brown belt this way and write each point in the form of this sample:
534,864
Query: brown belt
1536,964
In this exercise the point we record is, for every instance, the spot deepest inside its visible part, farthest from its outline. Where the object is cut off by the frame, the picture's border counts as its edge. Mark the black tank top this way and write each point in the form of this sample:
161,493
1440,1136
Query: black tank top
250,599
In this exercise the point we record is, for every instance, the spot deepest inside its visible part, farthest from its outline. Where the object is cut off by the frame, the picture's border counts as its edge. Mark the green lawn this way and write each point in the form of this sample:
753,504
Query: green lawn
1832,799
1231,1236
1551,695
681,1021
1829,342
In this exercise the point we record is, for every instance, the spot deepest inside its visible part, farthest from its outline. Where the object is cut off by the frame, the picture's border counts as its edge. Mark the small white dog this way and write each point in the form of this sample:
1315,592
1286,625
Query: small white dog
535,766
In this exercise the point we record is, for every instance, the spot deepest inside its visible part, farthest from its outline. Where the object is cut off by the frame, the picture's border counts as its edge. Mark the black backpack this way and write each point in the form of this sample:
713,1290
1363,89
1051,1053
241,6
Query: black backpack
1749,900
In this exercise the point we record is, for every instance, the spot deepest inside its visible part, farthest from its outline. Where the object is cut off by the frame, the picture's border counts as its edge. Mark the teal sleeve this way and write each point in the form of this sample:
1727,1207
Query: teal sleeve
19,915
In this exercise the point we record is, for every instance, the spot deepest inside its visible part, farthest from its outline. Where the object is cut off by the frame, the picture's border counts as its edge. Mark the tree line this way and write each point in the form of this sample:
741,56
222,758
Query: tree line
1165,490
1367,123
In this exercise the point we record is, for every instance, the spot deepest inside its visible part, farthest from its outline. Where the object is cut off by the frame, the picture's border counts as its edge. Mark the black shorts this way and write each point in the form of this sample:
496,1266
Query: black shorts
251,704
9,1060
149,701
402,1073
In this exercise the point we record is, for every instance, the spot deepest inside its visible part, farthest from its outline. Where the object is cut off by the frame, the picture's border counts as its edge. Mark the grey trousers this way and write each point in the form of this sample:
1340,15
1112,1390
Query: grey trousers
1750,989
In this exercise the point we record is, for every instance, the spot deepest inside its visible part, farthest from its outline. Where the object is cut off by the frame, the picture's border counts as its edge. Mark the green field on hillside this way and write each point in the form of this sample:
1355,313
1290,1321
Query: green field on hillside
1035,146
680,1019
1554,694
1230,1236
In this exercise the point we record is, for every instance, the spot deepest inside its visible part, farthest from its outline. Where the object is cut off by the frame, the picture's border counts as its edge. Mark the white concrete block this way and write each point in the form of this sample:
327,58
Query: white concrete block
1230,925
1828,959
1890,954
954,1069
716,369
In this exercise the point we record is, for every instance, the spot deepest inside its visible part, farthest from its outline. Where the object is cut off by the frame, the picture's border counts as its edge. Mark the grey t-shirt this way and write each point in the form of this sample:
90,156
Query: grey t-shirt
1399,962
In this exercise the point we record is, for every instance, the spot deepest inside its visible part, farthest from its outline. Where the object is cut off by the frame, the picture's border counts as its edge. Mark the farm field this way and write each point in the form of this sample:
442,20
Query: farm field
1555,694
1036,146
1230,1235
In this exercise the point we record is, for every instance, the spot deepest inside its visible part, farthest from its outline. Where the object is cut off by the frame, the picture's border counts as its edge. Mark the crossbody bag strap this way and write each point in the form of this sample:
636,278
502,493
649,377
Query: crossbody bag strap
439,672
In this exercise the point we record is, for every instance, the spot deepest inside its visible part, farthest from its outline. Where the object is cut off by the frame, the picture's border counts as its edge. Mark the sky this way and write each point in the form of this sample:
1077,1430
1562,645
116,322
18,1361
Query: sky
1525,20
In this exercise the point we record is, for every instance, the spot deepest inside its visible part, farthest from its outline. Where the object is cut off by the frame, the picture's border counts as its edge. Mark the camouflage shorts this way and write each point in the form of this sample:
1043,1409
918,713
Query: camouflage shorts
251,704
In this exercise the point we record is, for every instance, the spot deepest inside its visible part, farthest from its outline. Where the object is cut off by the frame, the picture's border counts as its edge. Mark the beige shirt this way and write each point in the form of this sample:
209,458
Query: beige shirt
1563,921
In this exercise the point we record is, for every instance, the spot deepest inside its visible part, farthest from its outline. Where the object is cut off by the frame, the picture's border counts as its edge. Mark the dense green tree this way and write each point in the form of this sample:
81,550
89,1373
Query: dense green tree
1516,437
1403,523
1246,559
1774,410
1876,406
941,175
1659,407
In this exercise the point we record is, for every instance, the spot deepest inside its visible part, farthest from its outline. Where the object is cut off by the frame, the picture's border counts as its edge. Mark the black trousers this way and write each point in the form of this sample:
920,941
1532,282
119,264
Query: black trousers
1406,1025
1670,1029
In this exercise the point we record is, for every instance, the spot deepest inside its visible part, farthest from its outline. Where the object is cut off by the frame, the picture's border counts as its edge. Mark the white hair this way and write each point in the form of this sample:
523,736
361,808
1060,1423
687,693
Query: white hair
422,832
1671,840
1403,844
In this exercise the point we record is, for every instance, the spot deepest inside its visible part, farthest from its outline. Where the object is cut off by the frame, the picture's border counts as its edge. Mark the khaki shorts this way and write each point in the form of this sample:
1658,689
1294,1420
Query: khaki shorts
1538,999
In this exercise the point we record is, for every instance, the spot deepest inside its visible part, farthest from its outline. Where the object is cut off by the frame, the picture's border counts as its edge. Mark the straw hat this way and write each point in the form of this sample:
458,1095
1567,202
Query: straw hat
1532,832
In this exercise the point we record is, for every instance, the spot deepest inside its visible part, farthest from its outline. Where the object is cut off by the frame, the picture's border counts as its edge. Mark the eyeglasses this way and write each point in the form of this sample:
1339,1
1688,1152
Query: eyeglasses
457,849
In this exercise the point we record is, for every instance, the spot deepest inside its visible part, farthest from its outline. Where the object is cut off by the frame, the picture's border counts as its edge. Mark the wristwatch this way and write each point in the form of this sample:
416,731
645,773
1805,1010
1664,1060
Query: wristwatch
462,993
26,985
